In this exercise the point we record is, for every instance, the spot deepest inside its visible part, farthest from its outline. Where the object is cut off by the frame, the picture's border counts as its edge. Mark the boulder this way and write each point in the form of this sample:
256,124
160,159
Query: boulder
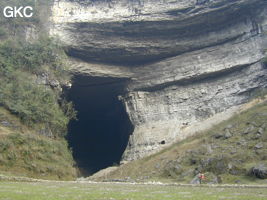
6,124
258,146
227,134
218,135
261,130
217,165
250,129
259,171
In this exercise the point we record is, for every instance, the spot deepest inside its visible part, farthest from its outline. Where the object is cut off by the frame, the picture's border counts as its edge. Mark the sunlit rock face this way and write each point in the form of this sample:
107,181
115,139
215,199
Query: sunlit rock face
185,60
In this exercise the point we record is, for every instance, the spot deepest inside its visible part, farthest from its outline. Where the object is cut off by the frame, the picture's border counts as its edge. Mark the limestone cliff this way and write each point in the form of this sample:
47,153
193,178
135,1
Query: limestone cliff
186,60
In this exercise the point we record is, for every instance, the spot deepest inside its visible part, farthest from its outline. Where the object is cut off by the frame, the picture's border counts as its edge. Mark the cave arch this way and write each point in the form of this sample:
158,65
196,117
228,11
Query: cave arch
101,132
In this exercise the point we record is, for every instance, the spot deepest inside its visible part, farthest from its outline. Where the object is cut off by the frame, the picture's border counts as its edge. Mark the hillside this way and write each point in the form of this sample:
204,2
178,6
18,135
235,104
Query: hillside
226,153
34,114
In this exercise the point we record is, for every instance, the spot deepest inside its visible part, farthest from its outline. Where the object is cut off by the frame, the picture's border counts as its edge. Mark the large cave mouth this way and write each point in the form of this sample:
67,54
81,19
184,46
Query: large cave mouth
101,132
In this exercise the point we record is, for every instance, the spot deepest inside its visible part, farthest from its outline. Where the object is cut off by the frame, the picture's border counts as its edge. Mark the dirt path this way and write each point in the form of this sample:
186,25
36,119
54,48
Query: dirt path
26,179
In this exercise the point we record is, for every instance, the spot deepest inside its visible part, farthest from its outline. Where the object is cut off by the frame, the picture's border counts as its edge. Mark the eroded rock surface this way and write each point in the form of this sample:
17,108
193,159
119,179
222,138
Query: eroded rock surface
186,59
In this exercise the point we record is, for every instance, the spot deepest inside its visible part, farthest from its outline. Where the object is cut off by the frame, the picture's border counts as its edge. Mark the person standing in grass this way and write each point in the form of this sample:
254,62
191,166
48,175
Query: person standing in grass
201,177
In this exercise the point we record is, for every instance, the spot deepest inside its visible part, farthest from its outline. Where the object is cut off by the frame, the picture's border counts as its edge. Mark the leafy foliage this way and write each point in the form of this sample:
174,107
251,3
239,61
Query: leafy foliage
32,57
20,63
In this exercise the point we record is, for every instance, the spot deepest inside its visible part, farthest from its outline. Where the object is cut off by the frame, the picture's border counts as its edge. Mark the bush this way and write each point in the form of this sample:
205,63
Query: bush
21,62
32,57
34,104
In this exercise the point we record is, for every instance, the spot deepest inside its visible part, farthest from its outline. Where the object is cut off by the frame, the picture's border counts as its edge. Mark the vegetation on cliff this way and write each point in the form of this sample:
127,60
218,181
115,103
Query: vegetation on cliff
21,64
33,112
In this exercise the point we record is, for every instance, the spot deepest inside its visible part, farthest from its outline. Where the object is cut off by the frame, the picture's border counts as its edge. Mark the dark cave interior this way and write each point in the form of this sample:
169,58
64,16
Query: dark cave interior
101,132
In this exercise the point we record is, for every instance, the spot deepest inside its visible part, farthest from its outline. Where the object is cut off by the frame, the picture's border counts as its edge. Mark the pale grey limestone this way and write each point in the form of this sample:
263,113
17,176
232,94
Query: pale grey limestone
186,60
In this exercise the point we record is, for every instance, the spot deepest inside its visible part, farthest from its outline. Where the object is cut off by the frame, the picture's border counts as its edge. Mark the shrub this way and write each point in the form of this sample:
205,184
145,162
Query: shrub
34,104
32,57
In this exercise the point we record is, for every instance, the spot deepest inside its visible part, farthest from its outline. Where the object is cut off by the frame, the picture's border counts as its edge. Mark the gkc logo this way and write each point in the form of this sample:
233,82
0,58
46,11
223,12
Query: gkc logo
12,12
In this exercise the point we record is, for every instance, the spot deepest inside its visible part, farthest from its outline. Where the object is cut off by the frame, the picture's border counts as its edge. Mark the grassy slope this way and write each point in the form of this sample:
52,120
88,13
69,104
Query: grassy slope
25,153
229,159
34,108
107,191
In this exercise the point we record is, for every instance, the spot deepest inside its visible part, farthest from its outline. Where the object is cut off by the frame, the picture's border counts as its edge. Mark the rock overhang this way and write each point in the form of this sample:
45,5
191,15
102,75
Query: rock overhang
182,64
133,40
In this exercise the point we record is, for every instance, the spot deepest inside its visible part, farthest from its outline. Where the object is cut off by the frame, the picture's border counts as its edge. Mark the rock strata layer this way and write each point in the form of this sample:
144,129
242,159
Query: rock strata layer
186,60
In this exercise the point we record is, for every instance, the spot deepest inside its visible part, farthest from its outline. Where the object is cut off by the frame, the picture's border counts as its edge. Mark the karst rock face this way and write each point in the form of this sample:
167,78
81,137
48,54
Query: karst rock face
185,60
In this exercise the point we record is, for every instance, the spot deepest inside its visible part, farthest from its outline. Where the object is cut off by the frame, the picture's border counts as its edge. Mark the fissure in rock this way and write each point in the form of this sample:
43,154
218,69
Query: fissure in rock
101,132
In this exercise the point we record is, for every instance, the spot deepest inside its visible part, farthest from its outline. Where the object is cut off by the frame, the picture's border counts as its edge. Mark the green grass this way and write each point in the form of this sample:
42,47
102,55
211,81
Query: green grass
35,156
25,153
111,191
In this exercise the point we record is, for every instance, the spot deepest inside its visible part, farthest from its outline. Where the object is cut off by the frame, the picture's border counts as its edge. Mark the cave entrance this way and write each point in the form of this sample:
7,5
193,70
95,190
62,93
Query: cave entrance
101,132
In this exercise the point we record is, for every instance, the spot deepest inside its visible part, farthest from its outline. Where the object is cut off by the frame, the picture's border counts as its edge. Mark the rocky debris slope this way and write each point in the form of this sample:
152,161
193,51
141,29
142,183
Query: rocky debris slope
186,60
233,151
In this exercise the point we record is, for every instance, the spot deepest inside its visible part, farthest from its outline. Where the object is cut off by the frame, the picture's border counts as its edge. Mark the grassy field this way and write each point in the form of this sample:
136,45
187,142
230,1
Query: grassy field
115,191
